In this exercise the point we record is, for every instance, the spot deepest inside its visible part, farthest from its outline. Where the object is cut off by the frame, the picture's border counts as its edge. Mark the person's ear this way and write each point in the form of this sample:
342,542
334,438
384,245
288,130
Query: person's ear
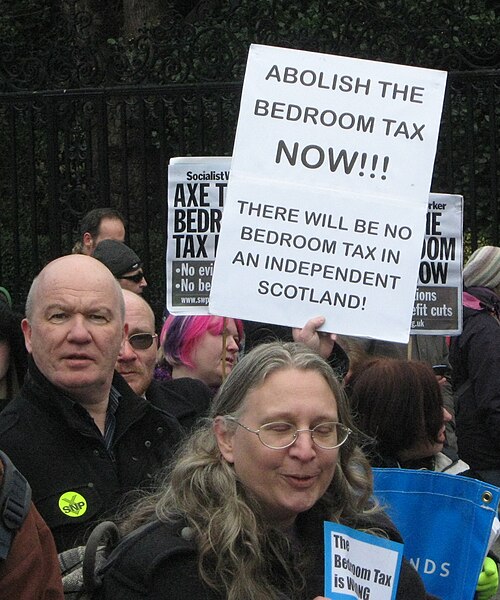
26,327
87,240
224,437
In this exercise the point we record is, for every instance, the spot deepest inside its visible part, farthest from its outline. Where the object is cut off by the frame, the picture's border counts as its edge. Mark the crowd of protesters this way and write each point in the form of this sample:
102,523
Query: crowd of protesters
242,437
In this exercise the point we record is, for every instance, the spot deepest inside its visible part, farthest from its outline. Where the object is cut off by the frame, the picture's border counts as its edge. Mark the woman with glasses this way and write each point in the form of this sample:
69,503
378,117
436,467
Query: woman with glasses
240,514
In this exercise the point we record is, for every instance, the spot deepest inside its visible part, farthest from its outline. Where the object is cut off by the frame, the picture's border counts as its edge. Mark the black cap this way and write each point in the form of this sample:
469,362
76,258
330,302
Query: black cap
117,256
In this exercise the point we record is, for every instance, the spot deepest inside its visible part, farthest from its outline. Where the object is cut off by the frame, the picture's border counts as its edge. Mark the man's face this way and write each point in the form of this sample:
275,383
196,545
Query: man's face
109,229
76,328
134,364
133,281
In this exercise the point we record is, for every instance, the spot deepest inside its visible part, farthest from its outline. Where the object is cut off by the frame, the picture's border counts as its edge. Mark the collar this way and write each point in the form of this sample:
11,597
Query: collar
114,401
123,403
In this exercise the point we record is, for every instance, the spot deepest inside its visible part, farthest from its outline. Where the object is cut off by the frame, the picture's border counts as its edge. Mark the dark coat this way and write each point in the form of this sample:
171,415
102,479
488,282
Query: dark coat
186,399
475,359
58,448
156,558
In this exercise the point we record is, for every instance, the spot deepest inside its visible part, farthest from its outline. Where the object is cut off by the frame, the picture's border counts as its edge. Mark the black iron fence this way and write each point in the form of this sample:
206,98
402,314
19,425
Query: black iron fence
65,152
69,151
135,83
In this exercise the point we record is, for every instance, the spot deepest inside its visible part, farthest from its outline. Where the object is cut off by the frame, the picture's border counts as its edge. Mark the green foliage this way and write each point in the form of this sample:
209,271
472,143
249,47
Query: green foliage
211,43
469,246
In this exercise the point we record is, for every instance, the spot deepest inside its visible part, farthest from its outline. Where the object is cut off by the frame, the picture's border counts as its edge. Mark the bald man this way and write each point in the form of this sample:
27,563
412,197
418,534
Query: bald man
186,398
76,431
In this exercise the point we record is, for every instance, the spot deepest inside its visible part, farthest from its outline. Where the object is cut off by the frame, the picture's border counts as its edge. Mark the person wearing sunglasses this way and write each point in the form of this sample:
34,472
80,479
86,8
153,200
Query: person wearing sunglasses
124,263
240,514
185,398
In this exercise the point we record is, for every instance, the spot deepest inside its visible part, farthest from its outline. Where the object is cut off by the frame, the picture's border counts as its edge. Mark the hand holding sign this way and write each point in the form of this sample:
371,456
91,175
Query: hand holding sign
319,341
328,193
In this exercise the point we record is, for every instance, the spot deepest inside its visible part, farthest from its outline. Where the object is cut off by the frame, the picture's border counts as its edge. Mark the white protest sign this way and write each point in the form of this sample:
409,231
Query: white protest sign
325,208
438,299
196,193
360,565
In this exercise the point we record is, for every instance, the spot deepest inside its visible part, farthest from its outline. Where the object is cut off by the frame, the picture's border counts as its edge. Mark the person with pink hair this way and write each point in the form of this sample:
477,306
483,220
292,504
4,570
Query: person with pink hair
203,347
208,347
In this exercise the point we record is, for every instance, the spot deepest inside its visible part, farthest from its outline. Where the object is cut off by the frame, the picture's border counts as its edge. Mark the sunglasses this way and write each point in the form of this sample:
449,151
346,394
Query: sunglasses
142,341
137,278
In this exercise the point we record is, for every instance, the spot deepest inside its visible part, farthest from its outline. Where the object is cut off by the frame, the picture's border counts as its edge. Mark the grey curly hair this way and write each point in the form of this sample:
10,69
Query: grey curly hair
234,542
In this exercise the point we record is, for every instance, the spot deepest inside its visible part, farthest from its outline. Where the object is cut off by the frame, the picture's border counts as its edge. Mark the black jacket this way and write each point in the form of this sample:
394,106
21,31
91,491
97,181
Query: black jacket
185,398
475,359
58,448
157,557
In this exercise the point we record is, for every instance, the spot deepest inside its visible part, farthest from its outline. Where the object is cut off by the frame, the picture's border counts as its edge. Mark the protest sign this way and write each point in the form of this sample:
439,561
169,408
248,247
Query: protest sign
196,193
360,565
438,300
445,521
325,208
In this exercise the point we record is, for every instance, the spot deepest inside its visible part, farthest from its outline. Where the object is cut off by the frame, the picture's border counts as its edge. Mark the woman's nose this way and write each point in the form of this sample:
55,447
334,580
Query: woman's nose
303,447
232,344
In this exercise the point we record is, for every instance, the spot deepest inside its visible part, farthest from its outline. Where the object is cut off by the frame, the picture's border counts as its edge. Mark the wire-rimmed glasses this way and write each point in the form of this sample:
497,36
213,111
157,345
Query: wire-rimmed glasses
278,435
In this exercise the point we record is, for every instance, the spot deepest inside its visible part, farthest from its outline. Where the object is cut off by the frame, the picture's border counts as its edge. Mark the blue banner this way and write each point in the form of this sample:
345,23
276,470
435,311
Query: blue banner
445,521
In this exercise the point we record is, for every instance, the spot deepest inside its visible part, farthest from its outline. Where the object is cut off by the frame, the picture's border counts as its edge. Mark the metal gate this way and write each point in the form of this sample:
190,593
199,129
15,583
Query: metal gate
105,131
